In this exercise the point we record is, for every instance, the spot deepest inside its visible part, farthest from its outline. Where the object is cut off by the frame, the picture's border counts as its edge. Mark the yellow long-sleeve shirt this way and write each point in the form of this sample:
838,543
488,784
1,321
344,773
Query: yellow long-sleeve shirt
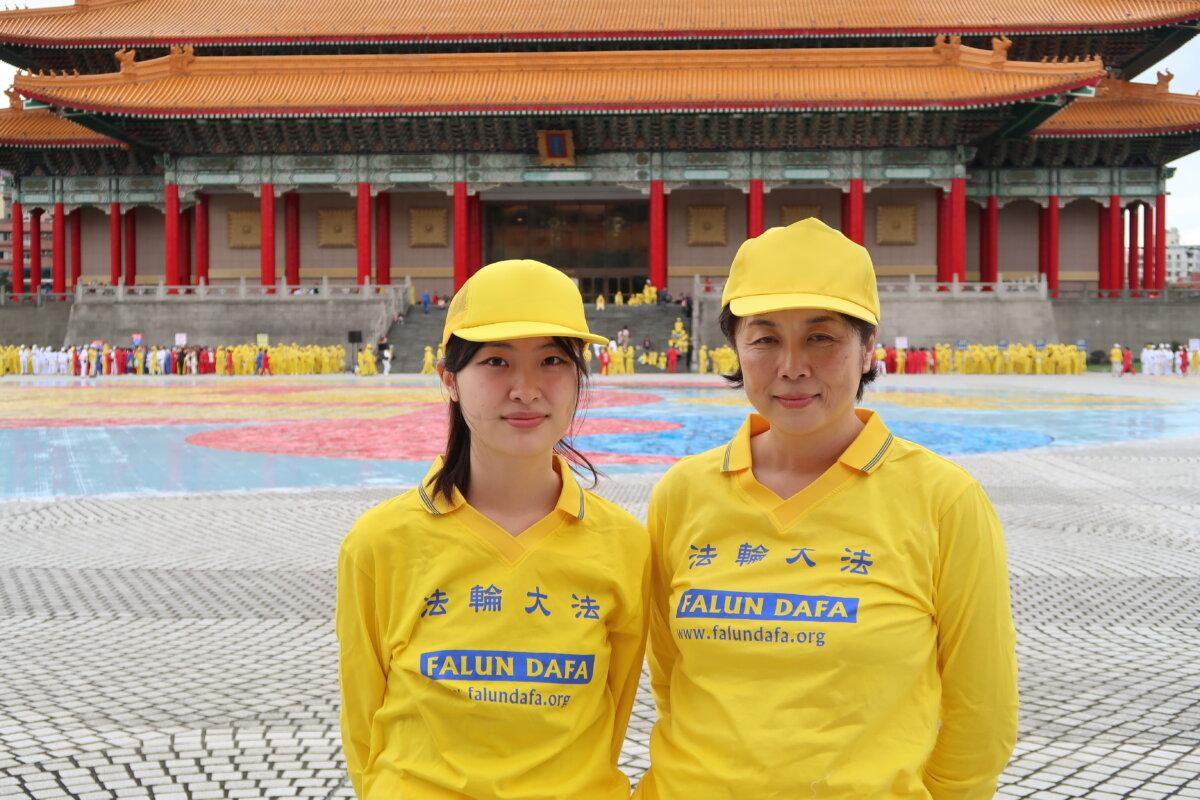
852,641
478,664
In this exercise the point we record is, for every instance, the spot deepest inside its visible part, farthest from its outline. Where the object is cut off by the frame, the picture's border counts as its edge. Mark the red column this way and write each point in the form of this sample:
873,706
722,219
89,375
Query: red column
854,230
130,246
658,234
1160,242
1132,280
943,237
291,238
754,209
362,220
1104,241
1043,241
35,250
1114,245
383,239
958,228
462,258
171,196
1052,245
58,264
474,262
477,250
185,247
266,242
18,248
114,243
201,238
75,219
989,241
1148,260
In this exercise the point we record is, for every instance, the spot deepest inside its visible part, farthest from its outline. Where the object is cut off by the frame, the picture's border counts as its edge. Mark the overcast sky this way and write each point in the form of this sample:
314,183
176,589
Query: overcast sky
1183,205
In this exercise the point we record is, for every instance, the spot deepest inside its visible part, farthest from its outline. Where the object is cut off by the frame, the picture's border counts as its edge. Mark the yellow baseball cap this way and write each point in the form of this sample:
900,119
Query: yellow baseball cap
517,299
805,265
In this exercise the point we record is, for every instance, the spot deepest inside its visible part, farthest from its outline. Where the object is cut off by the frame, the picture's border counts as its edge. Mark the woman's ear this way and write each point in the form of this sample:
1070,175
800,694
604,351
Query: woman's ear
868,363
447,379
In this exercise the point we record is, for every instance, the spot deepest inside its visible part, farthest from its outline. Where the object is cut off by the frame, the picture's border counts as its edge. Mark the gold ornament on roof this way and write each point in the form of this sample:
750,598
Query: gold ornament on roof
948,48
1000,47
180,59
125,57
1164,81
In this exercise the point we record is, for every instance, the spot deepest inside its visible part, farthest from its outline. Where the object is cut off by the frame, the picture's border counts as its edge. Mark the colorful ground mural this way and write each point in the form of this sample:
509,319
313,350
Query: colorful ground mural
61,437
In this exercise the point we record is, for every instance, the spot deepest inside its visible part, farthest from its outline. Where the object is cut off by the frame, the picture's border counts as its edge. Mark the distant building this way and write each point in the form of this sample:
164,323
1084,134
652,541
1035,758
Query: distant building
182,142
1183,260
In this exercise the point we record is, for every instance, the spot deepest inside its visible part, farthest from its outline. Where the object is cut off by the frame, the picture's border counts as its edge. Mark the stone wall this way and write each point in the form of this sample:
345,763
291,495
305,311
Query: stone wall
308,320
931,318
25,323
1132,322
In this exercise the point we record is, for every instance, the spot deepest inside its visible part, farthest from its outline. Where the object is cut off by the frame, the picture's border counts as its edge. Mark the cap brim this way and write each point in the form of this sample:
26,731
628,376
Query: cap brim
766,303
503,331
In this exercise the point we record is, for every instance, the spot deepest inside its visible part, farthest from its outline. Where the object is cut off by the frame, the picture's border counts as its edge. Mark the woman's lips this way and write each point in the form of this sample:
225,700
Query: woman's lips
524,420
795,400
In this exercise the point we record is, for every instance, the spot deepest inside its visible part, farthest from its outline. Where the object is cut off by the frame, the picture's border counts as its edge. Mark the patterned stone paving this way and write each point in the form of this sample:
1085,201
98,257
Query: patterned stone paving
182,646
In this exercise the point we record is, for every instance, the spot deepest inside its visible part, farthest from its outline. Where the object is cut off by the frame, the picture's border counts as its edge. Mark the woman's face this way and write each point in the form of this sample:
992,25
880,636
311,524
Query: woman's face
518,397
802,367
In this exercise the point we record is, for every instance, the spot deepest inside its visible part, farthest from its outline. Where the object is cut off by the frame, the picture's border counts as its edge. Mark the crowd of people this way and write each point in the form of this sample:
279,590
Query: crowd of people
1016,358
100,358
1155,359
620,357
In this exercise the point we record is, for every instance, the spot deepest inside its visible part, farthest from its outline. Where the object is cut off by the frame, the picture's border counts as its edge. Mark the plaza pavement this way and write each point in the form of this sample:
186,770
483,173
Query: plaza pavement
182,646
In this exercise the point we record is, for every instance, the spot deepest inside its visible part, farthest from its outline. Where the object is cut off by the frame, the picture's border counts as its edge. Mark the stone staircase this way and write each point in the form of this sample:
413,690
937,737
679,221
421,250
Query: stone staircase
412,333
409,338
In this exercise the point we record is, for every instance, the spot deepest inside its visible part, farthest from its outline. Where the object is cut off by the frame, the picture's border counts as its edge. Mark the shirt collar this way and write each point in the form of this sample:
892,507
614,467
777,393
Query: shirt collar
864,454
570,497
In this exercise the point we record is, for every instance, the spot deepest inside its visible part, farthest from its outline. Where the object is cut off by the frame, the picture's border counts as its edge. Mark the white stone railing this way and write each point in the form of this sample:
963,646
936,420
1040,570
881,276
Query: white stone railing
914,288
396,296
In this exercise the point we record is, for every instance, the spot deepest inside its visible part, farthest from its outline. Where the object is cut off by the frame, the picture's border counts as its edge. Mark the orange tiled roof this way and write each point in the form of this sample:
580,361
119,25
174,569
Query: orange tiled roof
946,75
1126,109
43,128
141,22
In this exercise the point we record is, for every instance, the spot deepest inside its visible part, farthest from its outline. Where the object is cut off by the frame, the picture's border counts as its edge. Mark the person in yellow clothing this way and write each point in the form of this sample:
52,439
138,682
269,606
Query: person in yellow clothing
830,615
492,621
427,361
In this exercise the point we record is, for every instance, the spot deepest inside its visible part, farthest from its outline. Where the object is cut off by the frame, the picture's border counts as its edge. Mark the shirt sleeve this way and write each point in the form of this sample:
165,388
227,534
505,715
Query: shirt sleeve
627,644
362,670
976,653
663,652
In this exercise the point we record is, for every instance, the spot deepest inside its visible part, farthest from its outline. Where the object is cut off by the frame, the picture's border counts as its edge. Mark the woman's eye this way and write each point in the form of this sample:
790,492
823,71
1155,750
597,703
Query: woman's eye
821,337
764,340
494,361
554,361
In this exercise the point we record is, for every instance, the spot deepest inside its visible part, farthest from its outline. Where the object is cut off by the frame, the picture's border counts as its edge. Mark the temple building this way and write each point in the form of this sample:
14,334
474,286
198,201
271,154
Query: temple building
622,141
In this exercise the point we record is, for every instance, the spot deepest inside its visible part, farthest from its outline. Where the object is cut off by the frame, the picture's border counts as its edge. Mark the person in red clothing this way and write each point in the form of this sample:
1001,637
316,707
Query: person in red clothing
672,359
1127,362
266,362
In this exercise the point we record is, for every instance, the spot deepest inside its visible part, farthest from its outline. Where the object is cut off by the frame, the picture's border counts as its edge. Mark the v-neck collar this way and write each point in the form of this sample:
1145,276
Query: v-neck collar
513,547
862,457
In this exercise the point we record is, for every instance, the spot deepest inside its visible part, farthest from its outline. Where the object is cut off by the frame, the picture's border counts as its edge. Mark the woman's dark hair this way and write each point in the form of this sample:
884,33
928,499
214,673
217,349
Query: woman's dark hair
729,322
456,462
